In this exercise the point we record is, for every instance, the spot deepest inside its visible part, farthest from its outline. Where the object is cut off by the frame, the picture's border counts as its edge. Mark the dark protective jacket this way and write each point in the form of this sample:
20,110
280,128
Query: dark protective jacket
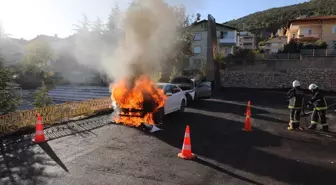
318,100
295,97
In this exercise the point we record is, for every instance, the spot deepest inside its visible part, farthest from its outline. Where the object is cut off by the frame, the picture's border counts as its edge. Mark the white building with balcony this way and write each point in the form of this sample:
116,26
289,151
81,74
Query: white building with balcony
226,40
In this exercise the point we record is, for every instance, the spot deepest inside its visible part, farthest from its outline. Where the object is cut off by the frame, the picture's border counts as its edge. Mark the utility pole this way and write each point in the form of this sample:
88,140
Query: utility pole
212,67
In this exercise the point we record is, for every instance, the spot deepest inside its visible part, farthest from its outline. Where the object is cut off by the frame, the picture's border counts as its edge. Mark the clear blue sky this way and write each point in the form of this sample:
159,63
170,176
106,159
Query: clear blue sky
28,18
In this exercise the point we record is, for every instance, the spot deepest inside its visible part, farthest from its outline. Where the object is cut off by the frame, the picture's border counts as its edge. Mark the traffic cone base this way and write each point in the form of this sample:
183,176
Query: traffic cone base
190,156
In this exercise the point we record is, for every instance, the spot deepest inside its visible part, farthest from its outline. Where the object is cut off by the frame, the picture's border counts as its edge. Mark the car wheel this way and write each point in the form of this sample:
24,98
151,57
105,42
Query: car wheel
189,98
183,105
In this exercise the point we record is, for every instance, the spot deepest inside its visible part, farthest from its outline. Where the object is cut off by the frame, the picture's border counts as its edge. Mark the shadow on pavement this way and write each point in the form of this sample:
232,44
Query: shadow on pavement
237,109
21,164
222,170
48,150
223,141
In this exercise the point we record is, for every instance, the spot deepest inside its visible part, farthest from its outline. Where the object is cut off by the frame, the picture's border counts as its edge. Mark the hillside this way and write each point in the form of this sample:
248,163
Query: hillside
272,19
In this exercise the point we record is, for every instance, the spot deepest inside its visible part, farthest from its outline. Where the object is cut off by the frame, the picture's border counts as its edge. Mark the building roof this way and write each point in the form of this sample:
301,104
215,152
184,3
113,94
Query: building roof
217,24
315,18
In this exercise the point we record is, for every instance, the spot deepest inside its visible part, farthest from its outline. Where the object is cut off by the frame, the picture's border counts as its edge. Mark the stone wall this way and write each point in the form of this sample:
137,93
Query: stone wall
280,74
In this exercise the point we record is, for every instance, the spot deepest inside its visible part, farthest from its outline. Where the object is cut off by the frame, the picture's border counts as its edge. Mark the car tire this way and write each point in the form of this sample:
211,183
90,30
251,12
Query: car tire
189,98
183,105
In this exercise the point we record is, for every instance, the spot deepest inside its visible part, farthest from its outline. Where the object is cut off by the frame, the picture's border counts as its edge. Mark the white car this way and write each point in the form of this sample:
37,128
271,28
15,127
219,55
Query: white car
176,99
176,102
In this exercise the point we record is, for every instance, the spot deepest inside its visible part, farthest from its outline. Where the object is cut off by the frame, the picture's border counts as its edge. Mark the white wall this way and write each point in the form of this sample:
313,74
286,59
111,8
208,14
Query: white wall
231,37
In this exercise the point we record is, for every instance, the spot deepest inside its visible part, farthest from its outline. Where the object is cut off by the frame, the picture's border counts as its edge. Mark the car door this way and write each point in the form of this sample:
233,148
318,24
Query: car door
177,97
169,103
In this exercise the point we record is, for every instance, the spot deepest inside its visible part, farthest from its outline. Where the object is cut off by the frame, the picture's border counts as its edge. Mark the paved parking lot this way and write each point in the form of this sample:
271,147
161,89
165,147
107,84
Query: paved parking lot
116,154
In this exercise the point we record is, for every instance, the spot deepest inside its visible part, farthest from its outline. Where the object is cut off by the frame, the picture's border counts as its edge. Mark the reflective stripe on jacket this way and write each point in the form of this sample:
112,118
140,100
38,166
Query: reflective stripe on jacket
295,96
319,101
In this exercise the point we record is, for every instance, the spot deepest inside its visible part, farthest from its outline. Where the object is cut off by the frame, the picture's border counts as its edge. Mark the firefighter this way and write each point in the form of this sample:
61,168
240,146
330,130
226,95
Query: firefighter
320,108
295,97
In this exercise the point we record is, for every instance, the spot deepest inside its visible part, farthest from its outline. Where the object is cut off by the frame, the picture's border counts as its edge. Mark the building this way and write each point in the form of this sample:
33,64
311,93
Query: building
312,29
274,45
247,40
227,39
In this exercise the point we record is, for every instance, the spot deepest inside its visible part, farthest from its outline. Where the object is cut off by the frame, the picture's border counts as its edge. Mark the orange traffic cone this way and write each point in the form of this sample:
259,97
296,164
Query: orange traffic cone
247,126
248,108
39,135
186,148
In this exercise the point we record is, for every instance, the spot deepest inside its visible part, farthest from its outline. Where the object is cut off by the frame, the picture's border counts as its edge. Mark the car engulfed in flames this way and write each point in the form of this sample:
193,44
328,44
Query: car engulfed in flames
136,102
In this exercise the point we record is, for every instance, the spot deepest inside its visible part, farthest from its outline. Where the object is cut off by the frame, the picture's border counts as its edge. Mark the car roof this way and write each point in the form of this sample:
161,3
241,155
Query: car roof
164,84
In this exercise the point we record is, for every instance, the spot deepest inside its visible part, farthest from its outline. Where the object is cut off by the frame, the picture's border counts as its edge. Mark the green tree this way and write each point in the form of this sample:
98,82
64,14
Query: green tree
8,101
113,18
274,18
38,59
41,97
175,72
292,47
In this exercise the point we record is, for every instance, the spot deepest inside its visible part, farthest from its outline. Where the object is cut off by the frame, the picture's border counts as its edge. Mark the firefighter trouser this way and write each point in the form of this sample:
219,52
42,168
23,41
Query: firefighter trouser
294,116
318,116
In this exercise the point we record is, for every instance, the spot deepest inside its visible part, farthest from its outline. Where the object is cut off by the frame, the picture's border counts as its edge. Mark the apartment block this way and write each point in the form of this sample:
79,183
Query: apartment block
247,40
312,29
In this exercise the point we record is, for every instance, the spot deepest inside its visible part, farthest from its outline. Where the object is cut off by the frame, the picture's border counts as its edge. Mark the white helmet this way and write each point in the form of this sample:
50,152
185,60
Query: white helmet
296,83
312,87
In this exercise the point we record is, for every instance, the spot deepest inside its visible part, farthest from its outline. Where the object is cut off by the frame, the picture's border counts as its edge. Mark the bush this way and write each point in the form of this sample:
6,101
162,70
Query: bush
9,101
241,56
295,47
41,97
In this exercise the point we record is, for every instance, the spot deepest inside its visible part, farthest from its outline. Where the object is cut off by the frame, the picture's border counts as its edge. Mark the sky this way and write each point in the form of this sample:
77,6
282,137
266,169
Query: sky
29,18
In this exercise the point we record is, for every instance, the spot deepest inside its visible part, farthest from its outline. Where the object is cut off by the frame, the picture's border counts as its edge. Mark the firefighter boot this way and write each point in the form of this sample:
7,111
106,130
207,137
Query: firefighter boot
325,128
312,127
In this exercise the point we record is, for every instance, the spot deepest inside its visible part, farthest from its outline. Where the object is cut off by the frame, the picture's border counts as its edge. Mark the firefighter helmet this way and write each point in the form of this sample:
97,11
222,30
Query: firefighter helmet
313,87
296,83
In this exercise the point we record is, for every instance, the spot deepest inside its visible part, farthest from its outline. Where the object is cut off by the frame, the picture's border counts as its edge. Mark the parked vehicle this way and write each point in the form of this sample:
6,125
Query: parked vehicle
195,88
176,100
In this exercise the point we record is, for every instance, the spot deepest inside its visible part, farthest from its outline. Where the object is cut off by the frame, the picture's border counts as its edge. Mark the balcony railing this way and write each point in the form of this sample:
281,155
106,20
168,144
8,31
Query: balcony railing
307,35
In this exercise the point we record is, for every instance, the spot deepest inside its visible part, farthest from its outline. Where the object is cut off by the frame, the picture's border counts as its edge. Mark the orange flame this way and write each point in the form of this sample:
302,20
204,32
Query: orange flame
134,98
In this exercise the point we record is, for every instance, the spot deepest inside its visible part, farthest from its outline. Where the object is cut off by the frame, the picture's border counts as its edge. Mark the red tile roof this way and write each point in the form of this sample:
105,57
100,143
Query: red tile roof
328,17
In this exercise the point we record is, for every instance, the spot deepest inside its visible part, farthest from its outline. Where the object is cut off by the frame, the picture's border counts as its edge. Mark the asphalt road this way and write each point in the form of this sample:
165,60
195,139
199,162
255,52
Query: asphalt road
103,153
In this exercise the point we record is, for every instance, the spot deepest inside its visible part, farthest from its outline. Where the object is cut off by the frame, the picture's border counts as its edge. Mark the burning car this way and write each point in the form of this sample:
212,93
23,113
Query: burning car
144,103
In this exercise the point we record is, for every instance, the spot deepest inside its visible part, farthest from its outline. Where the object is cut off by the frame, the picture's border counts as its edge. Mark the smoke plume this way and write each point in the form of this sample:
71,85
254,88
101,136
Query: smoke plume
144,39
149,38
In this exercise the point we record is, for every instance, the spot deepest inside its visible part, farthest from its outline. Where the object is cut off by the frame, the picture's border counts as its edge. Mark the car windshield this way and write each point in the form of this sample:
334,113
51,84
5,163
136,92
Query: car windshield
160,86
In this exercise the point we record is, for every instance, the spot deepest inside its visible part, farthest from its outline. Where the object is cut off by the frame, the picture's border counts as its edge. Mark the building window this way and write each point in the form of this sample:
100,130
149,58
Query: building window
274,50
334,29
227,50
275,44
334,44
198,36
197,50
197,63
309,32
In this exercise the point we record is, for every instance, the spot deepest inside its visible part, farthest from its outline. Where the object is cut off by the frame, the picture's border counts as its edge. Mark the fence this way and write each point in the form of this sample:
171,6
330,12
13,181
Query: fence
278,56
51,114
318,52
